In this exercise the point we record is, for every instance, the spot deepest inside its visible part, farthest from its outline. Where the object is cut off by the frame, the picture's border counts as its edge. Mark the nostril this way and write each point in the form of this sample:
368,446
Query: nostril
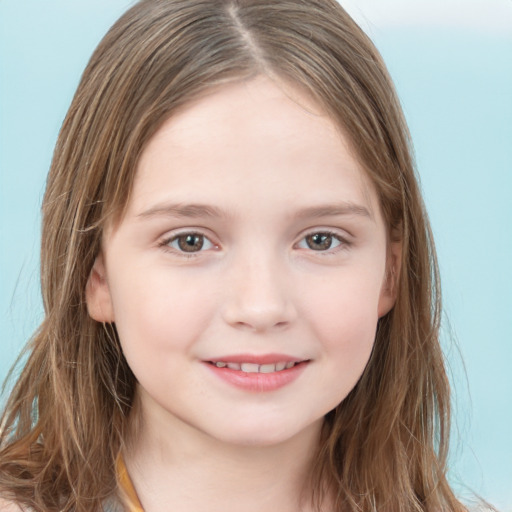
258,307
260,325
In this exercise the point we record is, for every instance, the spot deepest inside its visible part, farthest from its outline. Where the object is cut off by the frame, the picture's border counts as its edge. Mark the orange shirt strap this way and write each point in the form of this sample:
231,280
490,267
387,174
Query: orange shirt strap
127,487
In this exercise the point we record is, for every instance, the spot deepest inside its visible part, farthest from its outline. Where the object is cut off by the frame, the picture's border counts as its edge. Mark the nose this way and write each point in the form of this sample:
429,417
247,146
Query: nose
259,296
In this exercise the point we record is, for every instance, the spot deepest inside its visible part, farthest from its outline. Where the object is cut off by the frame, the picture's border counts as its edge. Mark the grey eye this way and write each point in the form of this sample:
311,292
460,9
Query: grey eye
190,242
320,241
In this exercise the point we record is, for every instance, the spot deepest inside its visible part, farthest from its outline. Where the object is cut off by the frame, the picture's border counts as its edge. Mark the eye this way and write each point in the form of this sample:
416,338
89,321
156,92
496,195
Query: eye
321,241
189,242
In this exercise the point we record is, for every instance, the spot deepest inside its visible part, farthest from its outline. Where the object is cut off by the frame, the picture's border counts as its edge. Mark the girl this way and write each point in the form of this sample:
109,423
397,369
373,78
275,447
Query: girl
238,276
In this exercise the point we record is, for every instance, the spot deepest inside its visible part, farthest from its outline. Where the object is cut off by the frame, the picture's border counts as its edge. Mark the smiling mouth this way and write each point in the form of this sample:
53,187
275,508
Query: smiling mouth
258,373
256,368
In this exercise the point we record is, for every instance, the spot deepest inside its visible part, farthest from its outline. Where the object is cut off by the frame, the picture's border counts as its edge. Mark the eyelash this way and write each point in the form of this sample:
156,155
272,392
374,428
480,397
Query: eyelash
164,244
344,244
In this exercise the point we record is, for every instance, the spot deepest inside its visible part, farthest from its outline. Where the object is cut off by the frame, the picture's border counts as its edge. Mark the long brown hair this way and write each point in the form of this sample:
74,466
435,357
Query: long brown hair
385,446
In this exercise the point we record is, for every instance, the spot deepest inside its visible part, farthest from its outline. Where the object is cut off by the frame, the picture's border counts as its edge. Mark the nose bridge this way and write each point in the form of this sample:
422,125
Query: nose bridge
258,295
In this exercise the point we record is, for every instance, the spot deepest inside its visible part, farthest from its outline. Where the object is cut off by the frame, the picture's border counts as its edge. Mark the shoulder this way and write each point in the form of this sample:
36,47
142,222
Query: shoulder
10,506
111,505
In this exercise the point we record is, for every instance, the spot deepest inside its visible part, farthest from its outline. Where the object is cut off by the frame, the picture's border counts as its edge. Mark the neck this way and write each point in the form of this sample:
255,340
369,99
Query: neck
174,466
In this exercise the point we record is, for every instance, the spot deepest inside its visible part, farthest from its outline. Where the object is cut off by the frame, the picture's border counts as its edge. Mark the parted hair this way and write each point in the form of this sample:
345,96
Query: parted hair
384,448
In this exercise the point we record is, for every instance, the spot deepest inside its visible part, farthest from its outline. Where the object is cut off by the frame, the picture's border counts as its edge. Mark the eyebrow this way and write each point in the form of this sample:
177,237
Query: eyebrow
179,210
195,210
333,210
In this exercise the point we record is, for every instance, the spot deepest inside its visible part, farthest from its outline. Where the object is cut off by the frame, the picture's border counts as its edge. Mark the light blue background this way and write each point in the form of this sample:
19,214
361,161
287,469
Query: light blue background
455,83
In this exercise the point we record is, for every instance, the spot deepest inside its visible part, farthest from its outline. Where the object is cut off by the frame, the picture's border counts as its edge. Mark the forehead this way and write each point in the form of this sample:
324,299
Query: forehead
260,139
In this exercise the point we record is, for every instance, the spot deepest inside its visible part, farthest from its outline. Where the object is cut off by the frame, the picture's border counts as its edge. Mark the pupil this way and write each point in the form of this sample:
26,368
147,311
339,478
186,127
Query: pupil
319,241
190,243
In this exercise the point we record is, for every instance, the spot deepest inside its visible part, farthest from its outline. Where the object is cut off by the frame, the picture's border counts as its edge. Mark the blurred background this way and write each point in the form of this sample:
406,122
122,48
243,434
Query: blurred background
452,64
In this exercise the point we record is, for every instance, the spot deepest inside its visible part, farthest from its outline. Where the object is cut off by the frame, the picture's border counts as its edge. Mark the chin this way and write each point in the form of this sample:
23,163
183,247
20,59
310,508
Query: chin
267,434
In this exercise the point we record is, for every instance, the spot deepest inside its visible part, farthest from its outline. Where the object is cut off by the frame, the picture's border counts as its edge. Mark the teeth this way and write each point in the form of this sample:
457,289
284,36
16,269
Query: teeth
255,368
249,367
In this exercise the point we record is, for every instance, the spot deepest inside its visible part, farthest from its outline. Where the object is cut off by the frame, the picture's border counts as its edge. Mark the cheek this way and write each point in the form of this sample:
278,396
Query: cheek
344,319
345,307
347,334
159,314
348,317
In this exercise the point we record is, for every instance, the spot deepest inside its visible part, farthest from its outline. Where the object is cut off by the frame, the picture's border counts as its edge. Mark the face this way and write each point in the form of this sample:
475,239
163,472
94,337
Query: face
248,274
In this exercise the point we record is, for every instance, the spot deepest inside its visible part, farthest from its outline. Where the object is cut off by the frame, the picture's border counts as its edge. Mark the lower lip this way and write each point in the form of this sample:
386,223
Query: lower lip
258,382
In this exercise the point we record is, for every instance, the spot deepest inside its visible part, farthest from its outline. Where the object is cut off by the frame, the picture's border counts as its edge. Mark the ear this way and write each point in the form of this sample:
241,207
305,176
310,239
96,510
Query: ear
389,291
97,293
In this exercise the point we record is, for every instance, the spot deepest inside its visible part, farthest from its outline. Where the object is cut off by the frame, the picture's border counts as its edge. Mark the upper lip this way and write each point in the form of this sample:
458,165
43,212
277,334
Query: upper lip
257,359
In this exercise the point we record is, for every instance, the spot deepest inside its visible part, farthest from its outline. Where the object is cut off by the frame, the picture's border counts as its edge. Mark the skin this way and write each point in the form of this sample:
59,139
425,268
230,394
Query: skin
272,276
